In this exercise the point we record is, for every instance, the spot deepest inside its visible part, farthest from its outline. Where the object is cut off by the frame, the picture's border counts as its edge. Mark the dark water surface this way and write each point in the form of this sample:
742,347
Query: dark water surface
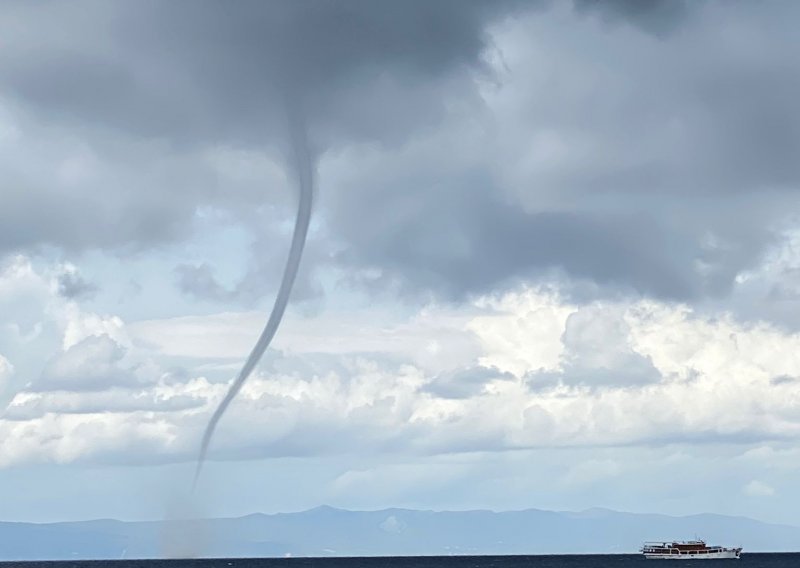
753,560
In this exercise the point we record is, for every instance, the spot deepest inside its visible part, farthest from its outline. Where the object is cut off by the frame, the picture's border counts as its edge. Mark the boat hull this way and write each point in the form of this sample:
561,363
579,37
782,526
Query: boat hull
720,555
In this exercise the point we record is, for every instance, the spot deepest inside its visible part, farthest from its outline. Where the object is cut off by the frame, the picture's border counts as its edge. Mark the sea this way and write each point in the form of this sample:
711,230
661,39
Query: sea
752,560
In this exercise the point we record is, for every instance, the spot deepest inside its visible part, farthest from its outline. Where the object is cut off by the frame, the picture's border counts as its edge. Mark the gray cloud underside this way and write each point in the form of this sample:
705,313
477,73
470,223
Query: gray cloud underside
680,131
466,382
72,285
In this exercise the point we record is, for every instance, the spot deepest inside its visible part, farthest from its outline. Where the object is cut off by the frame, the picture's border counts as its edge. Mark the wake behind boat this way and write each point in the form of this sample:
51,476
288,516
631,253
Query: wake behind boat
688,550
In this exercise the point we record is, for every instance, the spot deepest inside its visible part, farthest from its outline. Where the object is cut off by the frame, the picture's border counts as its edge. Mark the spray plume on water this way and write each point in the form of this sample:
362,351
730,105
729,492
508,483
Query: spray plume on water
305,177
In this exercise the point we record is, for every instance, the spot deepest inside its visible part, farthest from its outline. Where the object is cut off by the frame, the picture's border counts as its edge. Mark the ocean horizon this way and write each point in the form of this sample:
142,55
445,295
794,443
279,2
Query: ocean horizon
753,560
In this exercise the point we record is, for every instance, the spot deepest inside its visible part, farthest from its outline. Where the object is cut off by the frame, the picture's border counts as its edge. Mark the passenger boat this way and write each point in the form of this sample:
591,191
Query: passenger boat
688,550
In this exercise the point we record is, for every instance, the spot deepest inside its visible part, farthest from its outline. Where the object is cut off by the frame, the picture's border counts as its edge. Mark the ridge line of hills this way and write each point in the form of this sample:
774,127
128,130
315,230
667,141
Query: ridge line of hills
327,531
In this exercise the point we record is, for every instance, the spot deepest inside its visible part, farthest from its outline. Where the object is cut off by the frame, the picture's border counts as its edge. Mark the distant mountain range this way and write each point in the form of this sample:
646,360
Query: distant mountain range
326,531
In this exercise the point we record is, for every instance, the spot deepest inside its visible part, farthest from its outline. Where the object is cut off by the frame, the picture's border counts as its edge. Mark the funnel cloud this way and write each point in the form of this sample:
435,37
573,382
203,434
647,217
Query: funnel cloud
304,171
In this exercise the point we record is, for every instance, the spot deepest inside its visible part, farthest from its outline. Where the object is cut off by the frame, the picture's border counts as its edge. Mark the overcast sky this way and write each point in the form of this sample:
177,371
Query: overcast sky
554,257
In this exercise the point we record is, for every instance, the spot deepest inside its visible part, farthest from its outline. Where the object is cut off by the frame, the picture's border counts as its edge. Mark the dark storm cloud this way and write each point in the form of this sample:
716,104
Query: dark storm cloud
662,165
200,71
461,235
680,131
148,86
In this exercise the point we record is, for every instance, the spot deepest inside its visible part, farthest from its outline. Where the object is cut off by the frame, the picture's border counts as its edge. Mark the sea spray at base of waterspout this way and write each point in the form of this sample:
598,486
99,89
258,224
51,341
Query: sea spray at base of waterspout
184,533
